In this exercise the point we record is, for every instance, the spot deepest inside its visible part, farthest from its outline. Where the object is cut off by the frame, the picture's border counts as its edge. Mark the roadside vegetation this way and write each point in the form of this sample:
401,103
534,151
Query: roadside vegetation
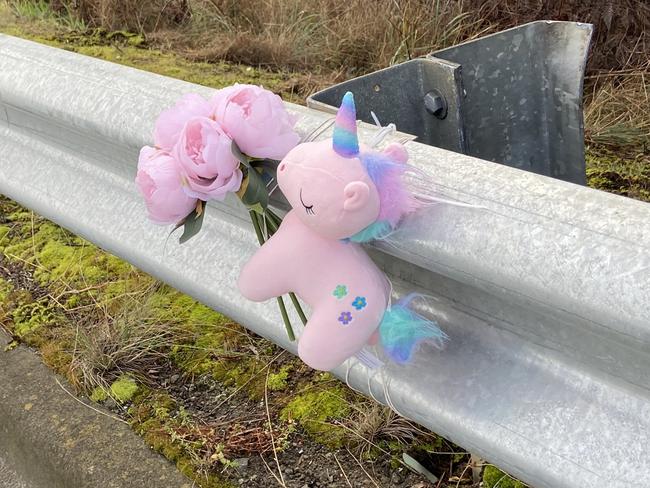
228,407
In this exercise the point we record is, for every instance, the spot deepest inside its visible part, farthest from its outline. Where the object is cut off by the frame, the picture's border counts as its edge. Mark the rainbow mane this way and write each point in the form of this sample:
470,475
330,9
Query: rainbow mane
395,199
386,172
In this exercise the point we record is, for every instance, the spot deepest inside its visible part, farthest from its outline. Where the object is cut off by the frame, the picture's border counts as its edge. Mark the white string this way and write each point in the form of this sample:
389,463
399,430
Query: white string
375,118
429,198
319,130
274,188
382,134
383,131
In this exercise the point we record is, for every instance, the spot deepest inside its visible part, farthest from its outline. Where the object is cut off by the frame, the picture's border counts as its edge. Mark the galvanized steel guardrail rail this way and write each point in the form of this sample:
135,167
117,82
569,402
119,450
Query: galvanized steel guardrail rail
545,291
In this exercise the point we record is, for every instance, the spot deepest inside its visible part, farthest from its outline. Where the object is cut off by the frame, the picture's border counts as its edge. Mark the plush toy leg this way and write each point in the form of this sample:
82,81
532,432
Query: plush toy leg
262,277
327,341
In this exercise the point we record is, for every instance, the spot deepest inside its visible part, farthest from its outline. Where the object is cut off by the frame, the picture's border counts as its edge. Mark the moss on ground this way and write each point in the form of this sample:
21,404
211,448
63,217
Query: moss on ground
157,417
123,389
317,409
99,394
67,267
495,478
27,317
278,381
627,175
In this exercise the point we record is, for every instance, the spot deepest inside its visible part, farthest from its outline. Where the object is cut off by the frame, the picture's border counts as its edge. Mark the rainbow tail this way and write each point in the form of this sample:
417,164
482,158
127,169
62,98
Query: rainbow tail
402,330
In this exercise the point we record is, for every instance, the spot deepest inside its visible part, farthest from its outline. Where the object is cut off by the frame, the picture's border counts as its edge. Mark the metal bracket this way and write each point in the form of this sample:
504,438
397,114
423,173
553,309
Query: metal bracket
514,97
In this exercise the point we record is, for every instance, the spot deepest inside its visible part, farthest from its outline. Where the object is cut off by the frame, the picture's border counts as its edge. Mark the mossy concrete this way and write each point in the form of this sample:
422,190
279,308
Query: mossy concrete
55,441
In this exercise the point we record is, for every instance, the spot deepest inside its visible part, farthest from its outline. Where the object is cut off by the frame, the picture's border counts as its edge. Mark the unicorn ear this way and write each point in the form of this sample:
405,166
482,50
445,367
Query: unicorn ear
397,152
357,194
345,141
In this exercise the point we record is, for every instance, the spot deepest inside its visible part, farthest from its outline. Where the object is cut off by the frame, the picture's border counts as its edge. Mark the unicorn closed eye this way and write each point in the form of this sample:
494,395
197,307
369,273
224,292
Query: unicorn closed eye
341,193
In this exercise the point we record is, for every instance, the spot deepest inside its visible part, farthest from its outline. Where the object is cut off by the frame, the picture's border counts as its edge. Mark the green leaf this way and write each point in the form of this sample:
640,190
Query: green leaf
254,193
240,156
193,222
418,468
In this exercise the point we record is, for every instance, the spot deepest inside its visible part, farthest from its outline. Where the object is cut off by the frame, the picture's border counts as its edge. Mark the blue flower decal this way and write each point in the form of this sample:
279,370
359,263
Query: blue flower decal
359,303
345,318
340,291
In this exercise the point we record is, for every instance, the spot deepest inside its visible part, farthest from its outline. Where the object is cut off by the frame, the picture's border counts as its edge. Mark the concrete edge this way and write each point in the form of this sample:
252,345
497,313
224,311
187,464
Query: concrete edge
51,440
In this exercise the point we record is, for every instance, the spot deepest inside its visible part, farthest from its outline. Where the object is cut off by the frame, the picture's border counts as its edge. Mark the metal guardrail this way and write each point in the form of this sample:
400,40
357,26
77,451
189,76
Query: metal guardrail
545,291
513,97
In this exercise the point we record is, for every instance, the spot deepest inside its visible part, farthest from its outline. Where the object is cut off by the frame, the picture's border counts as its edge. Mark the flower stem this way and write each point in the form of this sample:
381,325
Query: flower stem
256,226
276,220
285,318
283,310
298,307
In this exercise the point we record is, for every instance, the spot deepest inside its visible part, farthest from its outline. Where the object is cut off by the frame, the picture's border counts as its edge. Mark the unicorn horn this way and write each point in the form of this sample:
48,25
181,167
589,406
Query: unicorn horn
345,141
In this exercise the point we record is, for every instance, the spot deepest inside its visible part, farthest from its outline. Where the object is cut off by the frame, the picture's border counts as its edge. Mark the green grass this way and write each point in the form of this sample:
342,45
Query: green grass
41,10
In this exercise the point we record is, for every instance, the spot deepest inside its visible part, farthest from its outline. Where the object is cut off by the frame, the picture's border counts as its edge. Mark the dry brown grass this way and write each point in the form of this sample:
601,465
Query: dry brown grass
319,35
373,423
617,111
132,15
617,134
622,27
107,346
359,35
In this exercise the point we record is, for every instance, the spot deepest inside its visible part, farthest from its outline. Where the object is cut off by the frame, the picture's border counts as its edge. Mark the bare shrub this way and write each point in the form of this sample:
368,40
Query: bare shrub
622,27
132,15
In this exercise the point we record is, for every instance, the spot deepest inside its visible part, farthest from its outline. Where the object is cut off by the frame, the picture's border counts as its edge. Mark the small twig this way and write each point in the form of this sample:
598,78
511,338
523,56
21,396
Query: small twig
462,475
363,469
342,471
271,471
83,290
88,406
268,416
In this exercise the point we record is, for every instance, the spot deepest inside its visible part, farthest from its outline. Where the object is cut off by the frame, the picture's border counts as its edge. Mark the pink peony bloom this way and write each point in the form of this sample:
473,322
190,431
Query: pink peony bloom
170,122
257,121
208,166
159,181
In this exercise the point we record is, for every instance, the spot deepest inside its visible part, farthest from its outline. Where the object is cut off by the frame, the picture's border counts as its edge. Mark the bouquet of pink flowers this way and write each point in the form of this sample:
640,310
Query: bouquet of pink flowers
205,149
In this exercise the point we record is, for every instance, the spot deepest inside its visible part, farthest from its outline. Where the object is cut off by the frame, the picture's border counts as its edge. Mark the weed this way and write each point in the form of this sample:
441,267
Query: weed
278,381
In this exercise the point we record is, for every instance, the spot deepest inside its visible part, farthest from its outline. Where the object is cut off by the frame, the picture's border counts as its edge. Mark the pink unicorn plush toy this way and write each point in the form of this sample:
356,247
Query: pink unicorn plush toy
341,194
